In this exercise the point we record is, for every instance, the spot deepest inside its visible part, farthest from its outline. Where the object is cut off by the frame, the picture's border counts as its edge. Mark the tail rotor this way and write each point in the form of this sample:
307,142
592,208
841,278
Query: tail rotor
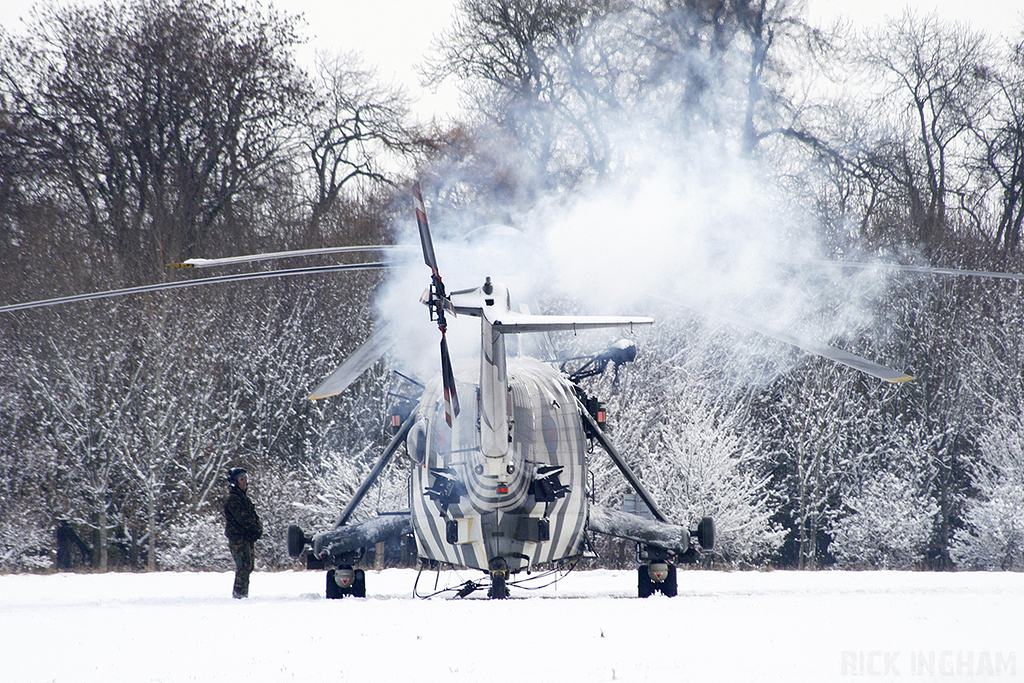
439,304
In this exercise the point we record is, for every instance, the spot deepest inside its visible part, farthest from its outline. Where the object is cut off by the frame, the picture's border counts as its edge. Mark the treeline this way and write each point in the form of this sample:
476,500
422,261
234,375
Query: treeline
142,133
139,134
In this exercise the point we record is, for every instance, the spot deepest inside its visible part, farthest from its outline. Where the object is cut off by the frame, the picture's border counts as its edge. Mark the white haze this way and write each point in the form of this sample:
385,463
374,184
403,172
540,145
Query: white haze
514,261
680,216
690,224
682,219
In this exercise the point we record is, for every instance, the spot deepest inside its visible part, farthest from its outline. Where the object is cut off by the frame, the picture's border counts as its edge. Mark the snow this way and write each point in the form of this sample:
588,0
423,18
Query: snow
723,626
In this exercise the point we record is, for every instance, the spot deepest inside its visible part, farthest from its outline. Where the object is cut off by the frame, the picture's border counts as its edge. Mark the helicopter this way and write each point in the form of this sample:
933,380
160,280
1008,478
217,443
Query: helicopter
499,484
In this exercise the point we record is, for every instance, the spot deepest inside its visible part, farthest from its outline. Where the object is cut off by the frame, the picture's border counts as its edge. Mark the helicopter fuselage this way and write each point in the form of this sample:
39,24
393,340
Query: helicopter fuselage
476,506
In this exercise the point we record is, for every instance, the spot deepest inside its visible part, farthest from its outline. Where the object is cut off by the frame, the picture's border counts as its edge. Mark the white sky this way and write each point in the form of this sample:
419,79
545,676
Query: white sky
396,35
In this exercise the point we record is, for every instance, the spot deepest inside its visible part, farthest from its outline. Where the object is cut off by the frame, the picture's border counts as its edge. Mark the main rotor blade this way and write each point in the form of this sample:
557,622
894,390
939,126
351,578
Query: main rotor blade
817,348
379,343
191,283
253,258
811,346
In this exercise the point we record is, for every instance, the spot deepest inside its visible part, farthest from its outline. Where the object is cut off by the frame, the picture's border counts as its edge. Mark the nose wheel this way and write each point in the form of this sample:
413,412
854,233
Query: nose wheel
499,587
499,579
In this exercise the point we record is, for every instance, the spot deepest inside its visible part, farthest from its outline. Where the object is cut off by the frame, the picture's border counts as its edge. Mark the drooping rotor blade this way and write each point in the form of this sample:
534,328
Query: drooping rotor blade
439,303
811,346
382,462
272,256
817,348
857,362
191,283
372,350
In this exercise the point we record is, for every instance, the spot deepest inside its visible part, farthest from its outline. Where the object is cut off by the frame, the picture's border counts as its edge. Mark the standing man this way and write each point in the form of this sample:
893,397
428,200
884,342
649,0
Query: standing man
243,528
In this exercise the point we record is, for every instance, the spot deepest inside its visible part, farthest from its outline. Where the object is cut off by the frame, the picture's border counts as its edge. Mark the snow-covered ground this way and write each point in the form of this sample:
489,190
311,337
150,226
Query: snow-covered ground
723,626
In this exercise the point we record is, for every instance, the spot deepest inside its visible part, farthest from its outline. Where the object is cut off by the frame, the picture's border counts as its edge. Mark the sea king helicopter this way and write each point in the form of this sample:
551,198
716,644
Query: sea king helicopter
500,480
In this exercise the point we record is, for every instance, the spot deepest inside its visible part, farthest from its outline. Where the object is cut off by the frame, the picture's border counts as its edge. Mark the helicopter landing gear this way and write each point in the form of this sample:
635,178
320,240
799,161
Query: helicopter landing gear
705,533
498,589
345,581
657,577
499,579
657,574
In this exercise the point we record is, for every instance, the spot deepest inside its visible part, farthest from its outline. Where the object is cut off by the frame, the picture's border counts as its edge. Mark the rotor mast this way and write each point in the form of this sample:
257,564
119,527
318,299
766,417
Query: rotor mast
494,426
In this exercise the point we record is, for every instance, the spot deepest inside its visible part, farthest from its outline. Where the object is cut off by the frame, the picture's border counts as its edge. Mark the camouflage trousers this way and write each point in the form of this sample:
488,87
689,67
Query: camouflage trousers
245,560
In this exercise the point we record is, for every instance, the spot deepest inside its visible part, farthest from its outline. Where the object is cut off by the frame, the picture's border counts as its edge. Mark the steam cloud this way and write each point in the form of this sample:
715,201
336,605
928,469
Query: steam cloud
701,230
682,222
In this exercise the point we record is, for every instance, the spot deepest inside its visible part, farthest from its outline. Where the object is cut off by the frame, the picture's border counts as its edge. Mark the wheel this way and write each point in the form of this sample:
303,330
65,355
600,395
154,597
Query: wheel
706,533
359,585
645,587
499,578
345,581
498,589
669,587
333,589
296,541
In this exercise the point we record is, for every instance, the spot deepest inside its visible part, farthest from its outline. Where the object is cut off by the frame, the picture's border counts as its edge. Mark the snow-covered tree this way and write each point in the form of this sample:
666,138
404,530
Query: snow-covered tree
993,537
888,525
686,440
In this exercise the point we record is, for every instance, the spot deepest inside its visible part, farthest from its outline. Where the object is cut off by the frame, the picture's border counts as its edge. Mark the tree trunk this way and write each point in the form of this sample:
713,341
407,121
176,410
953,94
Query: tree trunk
101,538
151,556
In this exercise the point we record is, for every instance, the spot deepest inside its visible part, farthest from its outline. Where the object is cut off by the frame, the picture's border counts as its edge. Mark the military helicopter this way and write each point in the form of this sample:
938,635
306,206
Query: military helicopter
499,485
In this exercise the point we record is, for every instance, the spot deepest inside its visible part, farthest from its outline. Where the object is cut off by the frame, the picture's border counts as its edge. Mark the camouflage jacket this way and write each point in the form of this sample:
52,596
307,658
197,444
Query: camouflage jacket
242,522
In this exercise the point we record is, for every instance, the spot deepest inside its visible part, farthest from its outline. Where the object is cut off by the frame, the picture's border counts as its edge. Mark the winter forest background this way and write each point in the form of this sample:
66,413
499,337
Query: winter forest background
693,160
